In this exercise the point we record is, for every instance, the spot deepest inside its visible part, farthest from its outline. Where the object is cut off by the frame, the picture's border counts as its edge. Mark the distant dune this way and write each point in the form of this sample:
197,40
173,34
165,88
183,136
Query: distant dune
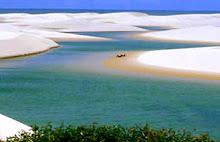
198,34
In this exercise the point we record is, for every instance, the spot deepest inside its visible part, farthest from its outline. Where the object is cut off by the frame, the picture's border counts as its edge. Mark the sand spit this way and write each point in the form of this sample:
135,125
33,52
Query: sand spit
189,63
10,127
23,44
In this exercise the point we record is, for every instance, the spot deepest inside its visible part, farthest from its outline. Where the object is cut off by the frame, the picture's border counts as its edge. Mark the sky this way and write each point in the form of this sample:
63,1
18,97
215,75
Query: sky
188,5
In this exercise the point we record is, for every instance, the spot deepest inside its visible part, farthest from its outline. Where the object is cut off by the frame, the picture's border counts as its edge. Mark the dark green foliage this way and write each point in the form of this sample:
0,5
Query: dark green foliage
94,133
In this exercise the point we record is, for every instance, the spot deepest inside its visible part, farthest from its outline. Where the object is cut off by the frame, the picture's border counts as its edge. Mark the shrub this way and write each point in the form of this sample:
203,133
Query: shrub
93,133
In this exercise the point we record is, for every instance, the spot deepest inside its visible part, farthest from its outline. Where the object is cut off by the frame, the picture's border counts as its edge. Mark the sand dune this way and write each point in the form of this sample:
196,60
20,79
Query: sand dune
82,22
59,36
122,18
203,59
24,34
95,22
174,21
201,34
23,44
10,127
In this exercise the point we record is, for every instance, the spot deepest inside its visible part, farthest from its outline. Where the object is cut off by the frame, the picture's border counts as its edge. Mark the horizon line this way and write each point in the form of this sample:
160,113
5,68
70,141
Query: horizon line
107,9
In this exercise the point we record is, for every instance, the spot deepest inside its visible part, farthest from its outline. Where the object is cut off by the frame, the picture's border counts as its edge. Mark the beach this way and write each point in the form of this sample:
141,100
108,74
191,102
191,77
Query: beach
138,62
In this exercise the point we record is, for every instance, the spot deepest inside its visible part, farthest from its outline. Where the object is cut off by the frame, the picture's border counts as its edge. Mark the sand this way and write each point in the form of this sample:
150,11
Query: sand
19,40
69,22
202,34
131,63
51,34
204,59
174,21
24,44
10,127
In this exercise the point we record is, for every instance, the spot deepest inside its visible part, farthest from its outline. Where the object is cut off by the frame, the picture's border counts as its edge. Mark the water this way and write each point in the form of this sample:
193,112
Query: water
152,12
68,84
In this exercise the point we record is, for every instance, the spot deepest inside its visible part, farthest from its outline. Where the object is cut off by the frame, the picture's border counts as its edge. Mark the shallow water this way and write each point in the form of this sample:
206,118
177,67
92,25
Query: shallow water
68,84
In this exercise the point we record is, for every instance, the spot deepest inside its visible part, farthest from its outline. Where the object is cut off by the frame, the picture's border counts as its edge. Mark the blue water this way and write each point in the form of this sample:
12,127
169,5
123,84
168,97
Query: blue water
152,12
68,84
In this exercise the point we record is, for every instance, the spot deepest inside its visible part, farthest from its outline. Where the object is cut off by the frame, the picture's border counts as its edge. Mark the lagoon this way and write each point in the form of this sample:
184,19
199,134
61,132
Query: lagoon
69,85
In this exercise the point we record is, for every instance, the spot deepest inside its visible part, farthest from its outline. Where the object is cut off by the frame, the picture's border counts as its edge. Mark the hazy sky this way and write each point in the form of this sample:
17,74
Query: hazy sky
211,5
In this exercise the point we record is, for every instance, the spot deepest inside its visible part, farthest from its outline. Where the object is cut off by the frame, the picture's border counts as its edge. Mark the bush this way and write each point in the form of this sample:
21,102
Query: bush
93,133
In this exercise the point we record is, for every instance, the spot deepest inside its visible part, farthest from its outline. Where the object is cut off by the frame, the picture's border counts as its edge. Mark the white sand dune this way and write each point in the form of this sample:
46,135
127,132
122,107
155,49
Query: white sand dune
181,21
24,34
95,22
104,27
45,33
23,44
122,18
69,22
192,34
142,19
204,59
74,24
10,127
131,19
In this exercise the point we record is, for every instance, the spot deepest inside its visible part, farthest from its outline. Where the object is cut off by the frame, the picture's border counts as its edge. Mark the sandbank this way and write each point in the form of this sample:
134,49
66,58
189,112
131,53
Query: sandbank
131,63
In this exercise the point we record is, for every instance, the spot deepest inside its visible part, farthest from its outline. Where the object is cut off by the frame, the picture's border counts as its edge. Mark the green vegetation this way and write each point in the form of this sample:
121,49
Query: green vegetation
93,133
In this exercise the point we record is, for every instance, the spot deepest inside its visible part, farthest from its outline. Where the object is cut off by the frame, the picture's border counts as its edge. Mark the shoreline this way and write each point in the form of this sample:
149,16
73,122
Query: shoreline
56,46
130,63
26,55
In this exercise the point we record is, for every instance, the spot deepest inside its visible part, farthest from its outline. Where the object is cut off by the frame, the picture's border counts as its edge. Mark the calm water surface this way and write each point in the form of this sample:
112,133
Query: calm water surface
152,12
68,84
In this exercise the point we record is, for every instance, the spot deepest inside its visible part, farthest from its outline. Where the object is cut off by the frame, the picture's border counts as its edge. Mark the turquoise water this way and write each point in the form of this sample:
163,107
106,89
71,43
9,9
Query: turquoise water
68,84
